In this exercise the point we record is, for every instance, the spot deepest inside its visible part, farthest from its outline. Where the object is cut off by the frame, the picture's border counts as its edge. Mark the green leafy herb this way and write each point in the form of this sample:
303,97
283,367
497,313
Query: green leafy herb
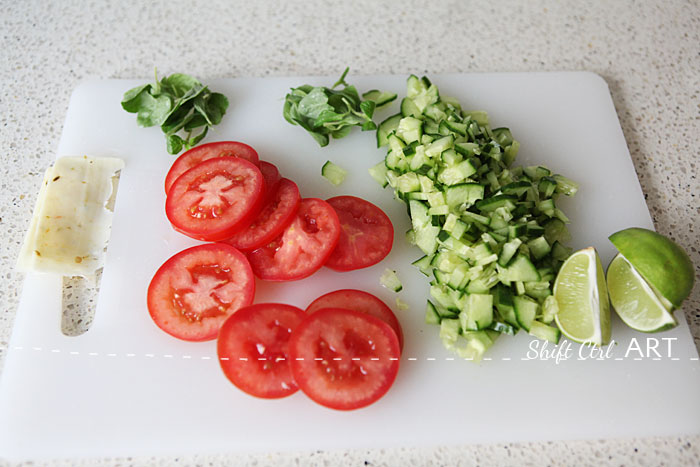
327,112
182,106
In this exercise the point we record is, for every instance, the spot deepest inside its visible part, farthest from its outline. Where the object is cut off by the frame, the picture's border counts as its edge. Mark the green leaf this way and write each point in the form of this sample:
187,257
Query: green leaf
212,107
194,120
174,144
176,120
179,84
192,142
175,103
313,104
216,107
326,112
133,98
368,108
153,110
321,139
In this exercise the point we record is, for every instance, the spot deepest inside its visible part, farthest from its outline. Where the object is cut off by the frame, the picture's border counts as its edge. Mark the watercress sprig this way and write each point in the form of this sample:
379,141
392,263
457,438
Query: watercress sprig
182,106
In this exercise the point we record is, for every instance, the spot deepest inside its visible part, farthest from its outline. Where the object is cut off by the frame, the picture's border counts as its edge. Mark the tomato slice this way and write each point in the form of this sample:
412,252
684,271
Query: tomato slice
344,359
302,248
215,198
358,300
273,218
366,236
193,292
271,175
253,349
208,151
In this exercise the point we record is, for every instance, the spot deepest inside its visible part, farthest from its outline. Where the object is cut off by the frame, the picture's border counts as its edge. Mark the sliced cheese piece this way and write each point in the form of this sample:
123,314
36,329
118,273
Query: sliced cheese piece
72,218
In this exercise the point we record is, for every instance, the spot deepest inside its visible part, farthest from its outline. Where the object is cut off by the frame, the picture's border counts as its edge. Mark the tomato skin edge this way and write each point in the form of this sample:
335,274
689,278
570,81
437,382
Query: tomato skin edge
389,316
182,159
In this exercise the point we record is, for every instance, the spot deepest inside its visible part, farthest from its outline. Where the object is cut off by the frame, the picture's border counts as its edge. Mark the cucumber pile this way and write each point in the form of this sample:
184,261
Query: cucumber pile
491,234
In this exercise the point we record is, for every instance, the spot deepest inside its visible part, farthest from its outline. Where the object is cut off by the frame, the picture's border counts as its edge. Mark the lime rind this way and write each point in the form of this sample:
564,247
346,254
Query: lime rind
634,300
664,265
582,298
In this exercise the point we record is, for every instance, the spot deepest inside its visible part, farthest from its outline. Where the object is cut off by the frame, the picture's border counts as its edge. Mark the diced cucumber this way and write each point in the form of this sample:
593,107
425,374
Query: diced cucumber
478,312
449,332
408,183
525,311
463,194
423,264
492,234
550,308
521,269
409,109
386,128
380,98
508,251
378,173
431,314
545,332
497,201
539,248
390,280
333,173
410,129
565,185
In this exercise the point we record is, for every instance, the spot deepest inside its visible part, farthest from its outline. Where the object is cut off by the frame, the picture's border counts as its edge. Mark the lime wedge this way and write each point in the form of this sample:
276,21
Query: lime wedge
582,296
663,264
634,300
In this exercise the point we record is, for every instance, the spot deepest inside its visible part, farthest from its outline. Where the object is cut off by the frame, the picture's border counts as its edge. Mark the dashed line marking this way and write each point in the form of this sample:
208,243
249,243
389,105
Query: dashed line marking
93,354
206,358
167,355
430,359
131,355
150,355
55,351
36,348
413,359
505,358
185,357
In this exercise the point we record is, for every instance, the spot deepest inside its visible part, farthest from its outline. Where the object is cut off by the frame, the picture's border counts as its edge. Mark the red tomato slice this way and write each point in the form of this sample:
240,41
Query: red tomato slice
271,175
208,151
273,218
357,300
192,293
215,198
344,359
253,349
302,248
366,236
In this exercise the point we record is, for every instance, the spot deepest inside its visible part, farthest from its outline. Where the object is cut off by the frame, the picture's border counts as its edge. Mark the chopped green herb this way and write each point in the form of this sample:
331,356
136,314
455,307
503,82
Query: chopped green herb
327,112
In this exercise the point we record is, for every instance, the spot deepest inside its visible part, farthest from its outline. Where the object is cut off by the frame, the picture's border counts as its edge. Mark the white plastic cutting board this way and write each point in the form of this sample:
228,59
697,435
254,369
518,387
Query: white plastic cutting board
127,388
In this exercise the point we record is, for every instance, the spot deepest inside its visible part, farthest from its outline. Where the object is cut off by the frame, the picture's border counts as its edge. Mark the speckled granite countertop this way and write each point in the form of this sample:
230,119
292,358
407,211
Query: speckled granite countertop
646,51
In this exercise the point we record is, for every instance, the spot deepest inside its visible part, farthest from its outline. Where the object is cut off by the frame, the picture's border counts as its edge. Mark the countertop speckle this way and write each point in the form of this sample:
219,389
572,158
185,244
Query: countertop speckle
647,51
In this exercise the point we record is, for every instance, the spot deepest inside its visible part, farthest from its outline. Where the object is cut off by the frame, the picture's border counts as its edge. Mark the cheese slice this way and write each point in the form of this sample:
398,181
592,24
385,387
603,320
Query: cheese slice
72,219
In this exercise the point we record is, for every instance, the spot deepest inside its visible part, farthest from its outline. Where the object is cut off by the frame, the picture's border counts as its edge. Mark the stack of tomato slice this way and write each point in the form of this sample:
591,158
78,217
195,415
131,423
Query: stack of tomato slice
222,192
343,351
